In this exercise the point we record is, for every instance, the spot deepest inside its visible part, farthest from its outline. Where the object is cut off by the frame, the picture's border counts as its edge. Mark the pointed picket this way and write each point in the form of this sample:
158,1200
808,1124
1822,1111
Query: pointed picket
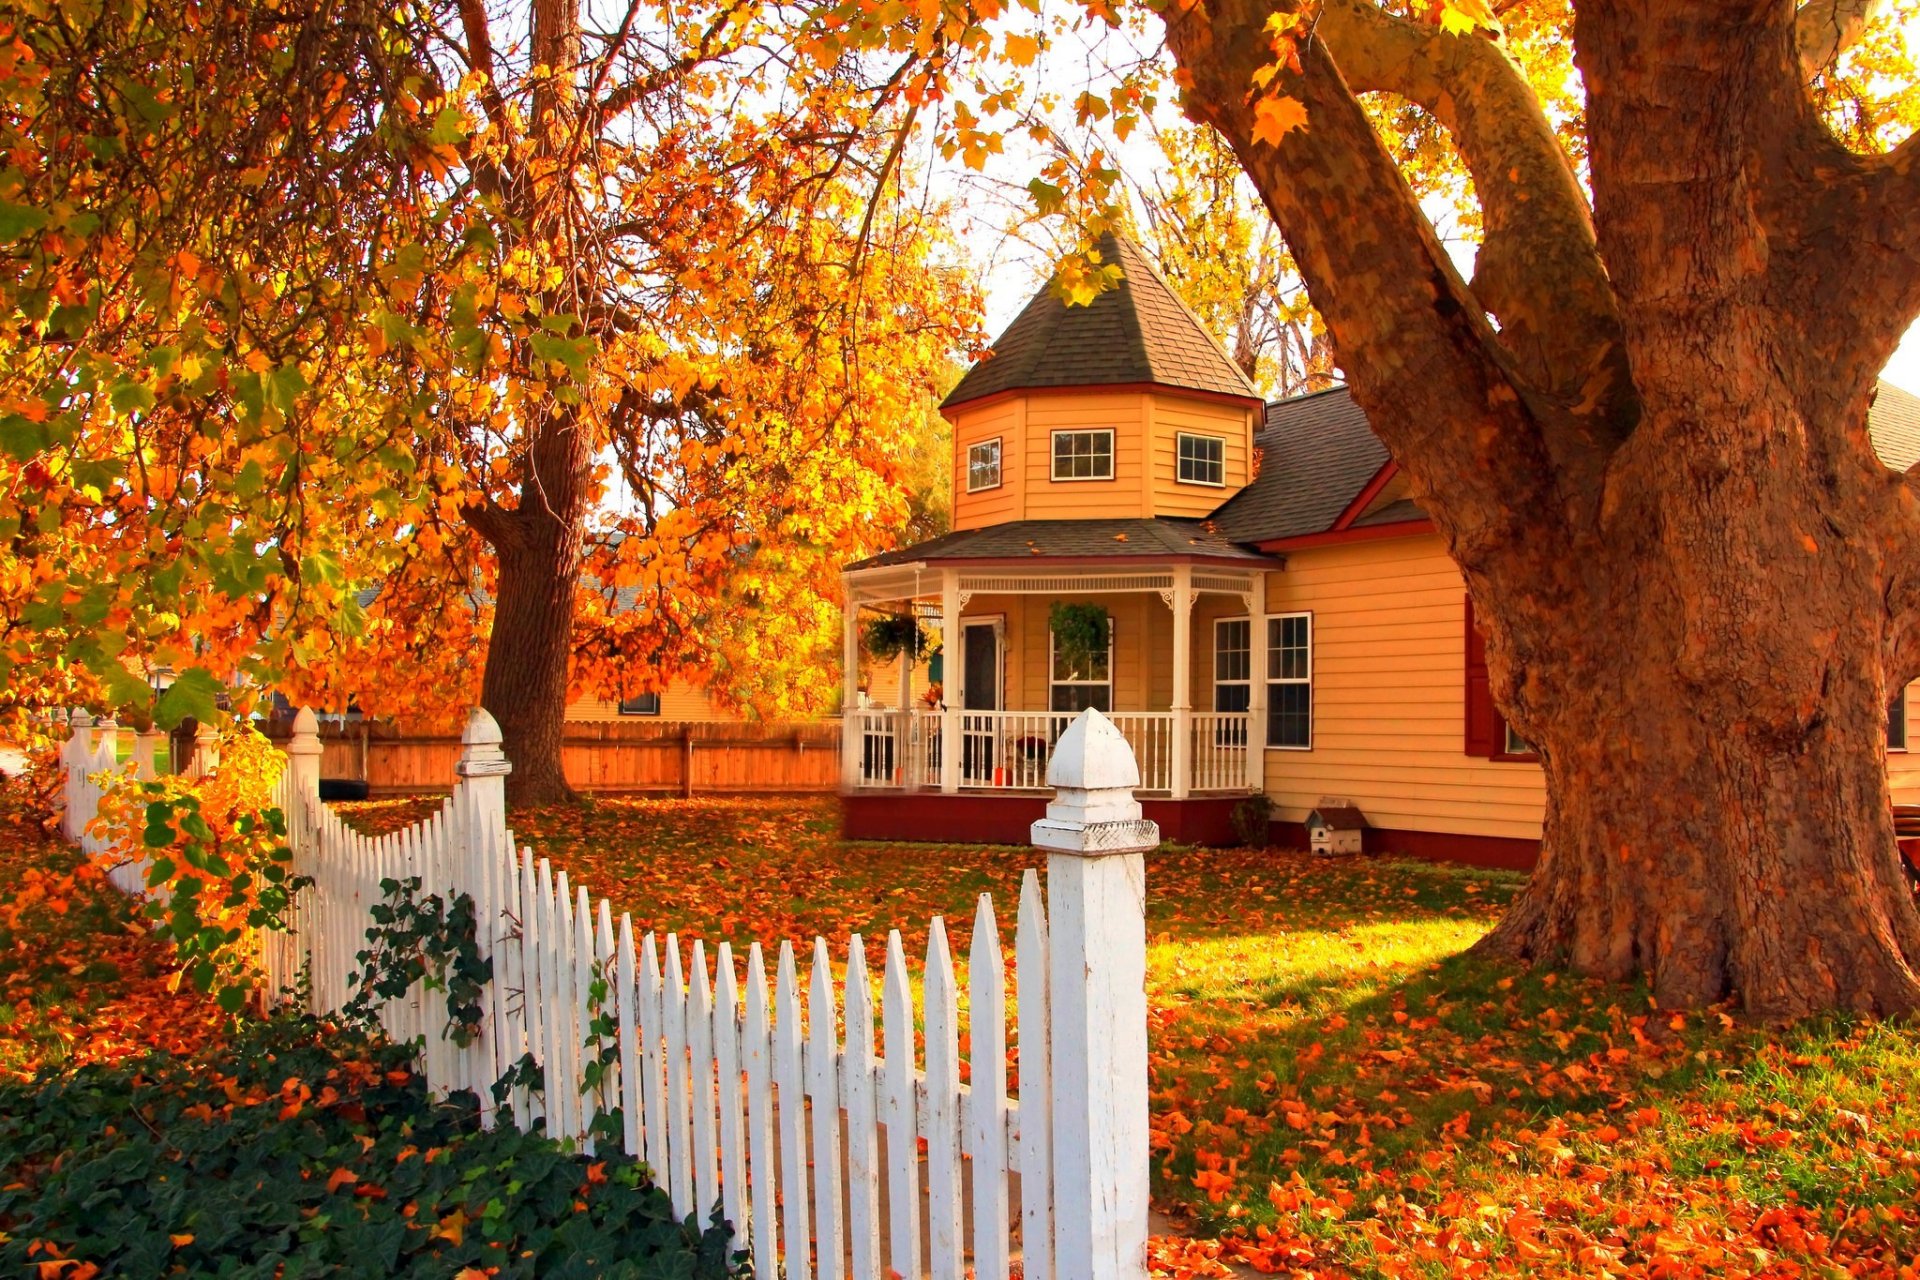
533,992
726,1067
1036,1084
944,1238
653,1091
706,1175
762,1156
606,974
625,980
793,1115
679,1095
987,1098
863,1134
898,1111
823,1054
586,972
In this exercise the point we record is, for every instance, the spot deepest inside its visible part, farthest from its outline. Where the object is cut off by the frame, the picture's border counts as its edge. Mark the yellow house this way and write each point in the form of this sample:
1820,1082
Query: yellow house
1280,616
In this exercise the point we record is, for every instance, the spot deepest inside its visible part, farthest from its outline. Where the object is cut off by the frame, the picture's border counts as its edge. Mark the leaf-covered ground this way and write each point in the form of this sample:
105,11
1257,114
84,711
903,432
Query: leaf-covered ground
81,980
143,1133
1338,1089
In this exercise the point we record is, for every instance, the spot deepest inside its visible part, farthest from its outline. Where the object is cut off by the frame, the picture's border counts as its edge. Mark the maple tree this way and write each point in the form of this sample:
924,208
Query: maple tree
586,348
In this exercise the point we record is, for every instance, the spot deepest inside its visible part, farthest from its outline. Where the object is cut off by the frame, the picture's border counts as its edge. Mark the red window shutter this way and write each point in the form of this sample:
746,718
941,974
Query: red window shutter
1486,729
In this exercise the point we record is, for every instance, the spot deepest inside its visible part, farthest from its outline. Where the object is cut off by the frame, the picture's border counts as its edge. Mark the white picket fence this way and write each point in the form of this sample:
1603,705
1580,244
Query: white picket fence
754,1098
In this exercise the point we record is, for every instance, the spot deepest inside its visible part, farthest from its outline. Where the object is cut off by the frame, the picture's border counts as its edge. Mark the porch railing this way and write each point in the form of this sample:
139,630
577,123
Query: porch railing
1010,750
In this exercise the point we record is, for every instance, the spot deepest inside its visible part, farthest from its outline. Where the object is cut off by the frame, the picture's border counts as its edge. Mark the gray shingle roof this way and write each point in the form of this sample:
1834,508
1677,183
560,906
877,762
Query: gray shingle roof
1137,332
1894,424
1071,539
1316,454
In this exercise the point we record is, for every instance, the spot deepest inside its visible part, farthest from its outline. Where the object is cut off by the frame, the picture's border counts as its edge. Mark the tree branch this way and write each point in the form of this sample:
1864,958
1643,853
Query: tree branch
1432,382
1825,29
1538,269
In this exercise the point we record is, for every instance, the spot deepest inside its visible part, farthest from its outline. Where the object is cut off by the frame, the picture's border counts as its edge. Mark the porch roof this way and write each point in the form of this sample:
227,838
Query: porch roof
1159,539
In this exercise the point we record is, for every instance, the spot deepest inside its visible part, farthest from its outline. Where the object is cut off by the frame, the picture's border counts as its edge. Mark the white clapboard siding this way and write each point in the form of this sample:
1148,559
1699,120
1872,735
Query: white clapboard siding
806,1138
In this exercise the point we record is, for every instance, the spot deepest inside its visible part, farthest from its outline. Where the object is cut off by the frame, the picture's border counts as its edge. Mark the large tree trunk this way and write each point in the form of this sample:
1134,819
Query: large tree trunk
1709,705
1698,584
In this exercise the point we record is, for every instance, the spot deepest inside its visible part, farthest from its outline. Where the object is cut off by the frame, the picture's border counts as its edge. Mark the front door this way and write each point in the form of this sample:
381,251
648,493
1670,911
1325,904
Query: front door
981,641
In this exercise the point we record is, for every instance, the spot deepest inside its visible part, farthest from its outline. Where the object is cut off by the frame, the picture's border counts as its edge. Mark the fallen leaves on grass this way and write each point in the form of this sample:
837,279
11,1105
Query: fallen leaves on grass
1336,1088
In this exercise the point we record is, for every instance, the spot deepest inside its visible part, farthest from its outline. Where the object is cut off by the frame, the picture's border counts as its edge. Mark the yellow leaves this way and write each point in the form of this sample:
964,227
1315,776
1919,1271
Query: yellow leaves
1021,50
1274,117
1461,17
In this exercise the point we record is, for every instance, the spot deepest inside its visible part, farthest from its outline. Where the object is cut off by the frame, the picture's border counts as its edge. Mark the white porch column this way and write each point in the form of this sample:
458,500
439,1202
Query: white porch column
954,681
1182,603
849,691
1094,836
1257,693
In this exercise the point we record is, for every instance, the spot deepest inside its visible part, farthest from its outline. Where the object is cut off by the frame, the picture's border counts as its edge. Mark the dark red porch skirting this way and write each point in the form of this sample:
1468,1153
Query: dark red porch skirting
971,818
1433,846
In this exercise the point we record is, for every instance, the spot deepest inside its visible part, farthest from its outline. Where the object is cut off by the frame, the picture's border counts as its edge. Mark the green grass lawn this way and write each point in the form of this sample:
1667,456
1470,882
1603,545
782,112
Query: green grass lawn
1338,1088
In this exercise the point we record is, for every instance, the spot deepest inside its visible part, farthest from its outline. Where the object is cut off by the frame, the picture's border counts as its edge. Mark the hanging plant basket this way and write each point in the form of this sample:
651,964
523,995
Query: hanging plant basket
1081,633
887,638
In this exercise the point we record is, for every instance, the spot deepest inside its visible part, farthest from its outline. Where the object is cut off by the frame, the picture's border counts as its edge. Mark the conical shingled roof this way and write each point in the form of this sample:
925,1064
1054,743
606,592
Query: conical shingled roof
1138,332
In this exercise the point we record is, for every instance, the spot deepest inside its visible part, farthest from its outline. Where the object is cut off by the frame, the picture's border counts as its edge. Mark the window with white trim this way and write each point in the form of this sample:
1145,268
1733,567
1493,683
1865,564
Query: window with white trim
1290,681
1232,664
1083,455
983,465
1202,459
1077,686
1897,723
645,704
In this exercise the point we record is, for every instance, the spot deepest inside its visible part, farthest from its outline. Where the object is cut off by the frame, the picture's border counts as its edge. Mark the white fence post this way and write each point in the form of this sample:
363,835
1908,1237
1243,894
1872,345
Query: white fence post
481,869
304,750
144,742
74,759
1095,837
206,753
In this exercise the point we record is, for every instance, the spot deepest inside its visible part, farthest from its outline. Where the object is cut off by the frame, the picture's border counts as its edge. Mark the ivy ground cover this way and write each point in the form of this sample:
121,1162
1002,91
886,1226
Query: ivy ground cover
1338,1089
144,1133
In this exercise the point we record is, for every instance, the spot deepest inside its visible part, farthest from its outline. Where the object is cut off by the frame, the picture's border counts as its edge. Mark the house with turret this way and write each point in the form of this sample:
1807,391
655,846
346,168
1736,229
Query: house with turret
1248,590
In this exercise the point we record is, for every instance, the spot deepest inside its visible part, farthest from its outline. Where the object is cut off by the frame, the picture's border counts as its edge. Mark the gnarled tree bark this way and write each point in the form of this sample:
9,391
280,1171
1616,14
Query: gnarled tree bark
1643,437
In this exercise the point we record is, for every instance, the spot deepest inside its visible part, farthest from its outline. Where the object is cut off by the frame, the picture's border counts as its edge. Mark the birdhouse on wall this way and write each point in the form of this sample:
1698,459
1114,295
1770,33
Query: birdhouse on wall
1335,826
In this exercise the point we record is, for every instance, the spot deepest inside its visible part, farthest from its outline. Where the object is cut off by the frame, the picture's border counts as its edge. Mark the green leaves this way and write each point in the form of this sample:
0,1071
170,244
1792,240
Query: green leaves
194,692
307,1150
18,220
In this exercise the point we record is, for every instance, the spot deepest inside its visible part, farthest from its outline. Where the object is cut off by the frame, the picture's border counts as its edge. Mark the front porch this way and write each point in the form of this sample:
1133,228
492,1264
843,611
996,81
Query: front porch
981,717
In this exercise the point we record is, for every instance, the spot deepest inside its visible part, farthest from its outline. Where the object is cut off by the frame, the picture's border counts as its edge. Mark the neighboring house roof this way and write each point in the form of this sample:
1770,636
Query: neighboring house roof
1316,453
1894,424
1139,538
1138,332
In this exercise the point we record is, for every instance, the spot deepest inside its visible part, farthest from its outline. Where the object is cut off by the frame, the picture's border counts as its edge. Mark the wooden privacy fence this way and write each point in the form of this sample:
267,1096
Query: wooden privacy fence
748,1095
657,757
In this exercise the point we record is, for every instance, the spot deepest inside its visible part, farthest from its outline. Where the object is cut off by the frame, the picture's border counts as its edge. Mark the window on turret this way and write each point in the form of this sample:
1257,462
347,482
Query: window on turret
983,466
1203,459
1083,455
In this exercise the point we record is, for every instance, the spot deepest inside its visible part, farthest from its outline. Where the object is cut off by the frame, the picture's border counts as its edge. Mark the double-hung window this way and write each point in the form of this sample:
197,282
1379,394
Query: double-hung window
1202,459
1290,681
1075,686
983,466
1232,676
1897,723
645,704
1083,455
